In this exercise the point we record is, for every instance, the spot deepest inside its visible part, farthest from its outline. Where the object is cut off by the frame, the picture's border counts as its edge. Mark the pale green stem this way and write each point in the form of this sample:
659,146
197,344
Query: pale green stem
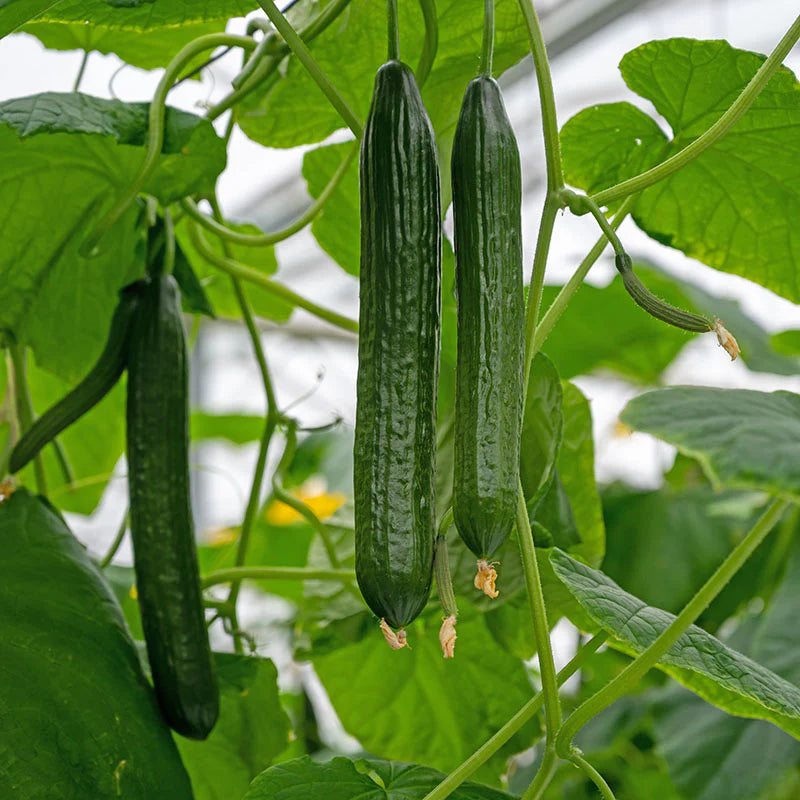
544,774
487,46
557,307
441,566
270,423
25,408
63,461
541,630
298,505
636,670
547,100
251,275
303,54
155,127
81,70
115,545
266,68
714,133
393,30
276,573
549,212
513,726
594,776
266,239
431,43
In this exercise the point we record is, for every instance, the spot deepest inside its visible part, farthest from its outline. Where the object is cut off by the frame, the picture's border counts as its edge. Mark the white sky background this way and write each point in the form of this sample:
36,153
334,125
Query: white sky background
226,378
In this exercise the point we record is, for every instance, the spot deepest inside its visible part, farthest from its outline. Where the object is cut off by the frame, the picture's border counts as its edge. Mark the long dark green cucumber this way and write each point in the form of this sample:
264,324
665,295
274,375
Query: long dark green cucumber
398,350
487,196
90,391
165,555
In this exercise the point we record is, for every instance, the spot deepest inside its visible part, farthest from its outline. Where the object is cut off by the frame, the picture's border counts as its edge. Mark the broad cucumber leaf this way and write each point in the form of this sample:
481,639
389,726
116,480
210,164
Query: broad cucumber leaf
734,207
77,716
576,470
15,13
294,111
787,342
542,429
235,428
743,439
336,228
143,33
70,156
712,756
365,779
412,704
252,729
699,661
682,536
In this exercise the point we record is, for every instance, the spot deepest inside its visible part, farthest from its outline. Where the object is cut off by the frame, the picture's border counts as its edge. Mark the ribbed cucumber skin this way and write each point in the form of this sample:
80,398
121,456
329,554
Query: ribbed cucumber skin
398,352
487,197
89,392
165,555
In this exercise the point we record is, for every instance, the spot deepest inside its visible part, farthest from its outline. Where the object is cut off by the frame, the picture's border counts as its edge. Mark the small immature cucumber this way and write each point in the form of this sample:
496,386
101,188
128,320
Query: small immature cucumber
165,556
90,391
487,196
398,350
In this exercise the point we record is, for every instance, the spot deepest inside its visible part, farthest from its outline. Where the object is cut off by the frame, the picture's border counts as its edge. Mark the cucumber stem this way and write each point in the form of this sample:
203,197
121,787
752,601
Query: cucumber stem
487,46
266,239
393,30
431,43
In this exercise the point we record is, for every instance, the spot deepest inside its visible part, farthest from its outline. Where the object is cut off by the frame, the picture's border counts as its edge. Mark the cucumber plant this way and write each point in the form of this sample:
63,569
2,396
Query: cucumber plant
468,439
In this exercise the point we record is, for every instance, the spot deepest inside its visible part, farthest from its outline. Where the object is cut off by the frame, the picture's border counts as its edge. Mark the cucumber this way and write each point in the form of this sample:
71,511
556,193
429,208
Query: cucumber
165,555
90,391
398,350
487,197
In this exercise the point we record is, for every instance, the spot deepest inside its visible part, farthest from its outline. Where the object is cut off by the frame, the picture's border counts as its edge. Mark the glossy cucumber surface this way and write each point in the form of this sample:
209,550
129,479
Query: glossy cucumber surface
165,555
398,351
487,197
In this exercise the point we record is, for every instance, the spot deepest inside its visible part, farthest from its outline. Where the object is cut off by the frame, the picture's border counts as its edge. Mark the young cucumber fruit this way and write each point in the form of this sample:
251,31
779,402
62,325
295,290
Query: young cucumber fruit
487,195
398,350
90,391
165,557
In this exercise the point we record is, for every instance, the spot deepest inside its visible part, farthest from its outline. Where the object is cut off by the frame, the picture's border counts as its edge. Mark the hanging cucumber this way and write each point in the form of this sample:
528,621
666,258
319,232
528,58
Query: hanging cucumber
165,556
487,196
90,391
398,352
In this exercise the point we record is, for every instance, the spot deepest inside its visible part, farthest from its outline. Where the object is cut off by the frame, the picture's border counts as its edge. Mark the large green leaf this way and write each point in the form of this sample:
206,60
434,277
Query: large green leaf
77,716
69,157
14,13
413,704
576,470
252,729
736,207
144,33
712,756
295,111
365,779
542,429
682,536
702,663
336,228
743,439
